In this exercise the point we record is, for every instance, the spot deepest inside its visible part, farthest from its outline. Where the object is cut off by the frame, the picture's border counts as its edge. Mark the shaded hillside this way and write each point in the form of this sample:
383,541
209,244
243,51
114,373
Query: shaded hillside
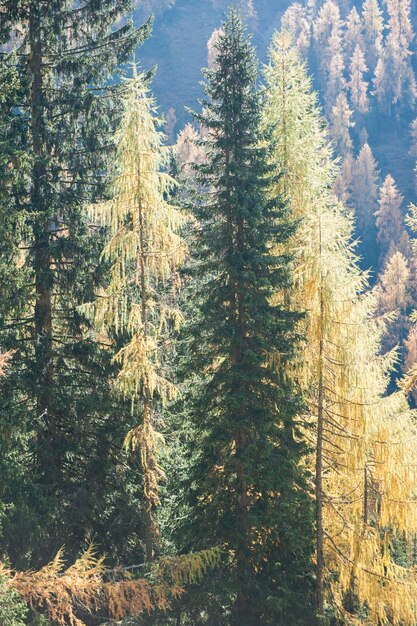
179,45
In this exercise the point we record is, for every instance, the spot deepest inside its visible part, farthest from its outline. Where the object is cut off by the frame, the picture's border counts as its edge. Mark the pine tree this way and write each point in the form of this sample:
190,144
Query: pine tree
56,396
389,221
365,202
343,376
144,251
247,488
358,86
340,123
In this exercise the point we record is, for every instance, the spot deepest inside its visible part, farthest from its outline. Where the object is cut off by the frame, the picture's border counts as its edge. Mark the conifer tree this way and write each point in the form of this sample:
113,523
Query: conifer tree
357,85
328,46
394,81
296,20
187,150
343,183
340,123
413,133
144,251
365,202
353,35
360,435
57,396
247,488
394,297
373,23
389,220
211,47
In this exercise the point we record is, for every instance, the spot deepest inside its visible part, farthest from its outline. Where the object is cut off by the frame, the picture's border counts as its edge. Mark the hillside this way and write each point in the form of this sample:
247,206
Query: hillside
178,46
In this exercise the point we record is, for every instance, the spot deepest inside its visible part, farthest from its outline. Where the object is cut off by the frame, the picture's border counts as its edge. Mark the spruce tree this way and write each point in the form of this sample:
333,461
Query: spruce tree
246,490
57,418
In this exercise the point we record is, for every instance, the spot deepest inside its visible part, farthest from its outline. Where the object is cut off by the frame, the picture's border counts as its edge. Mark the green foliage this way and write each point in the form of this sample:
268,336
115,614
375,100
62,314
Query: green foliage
12,610
63,477
246,488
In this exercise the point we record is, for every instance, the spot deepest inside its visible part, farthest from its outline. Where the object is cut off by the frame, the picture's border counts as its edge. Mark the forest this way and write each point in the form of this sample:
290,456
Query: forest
208,313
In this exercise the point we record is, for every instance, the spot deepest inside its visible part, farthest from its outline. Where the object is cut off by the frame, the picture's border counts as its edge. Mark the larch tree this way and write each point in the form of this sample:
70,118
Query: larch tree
340,123
365,187
211,47
413,146
395,83
342,186
144,251
56,399
363,442
247,487
389,219
358,86
353,35
296,20
394,296
373,24
413,133
187,150
328,49
410,356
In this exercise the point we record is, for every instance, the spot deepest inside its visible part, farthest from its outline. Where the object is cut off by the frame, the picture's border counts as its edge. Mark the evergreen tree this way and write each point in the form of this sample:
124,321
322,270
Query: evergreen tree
247,488
60,427
365,202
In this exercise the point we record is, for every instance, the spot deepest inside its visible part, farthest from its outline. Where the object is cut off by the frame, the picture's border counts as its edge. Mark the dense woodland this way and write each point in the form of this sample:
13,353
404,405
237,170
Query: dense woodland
208,316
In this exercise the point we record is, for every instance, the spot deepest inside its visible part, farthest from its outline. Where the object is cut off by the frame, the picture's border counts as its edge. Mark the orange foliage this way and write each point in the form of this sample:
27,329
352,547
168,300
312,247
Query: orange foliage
4,361
86,587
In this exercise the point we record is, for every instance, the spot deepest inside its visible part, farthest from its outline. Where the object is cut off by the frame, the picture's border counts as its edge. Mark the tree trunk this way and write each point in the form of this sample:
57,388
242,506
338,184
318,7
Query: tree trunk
319,466
147,401
42,259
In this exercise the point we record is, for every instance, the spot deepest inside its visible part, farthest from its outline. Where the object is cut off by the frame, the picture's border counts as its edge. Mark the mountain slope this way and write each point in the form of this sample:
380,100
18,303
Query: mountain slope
178,46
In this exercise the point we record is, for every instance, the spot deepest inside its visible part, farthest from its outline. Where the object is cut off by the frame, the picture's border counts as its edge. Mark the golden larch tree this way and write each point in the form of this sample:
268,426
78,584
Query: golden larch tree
365,484
144,251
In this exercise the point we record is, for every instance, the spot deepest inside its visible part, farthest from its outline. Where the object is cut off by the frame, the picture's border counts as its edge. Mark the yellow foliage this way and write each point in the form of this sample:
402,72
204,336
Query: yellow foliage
367,442
144,250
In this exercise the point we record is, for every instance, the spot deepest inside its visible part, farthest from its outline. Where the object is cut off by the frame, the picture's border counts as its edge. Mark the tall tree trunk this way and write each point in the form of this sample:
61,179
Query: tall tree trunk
42,258
147,400
319,463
